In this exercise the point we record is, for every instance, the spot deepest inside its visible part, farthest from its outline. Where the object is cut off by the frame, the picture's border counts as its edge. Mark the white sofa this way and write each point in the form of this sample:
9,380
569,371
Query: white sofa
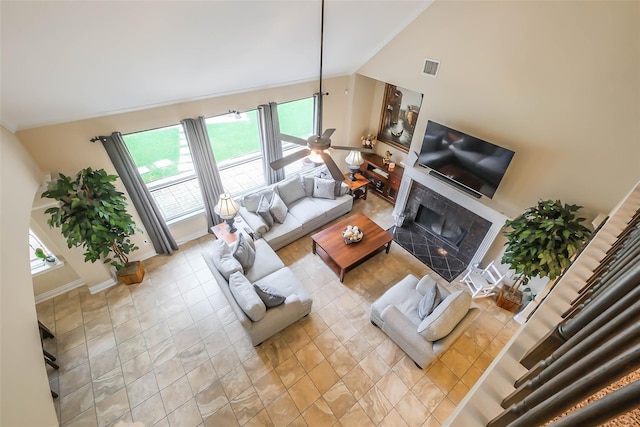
267,269
396,313
308,208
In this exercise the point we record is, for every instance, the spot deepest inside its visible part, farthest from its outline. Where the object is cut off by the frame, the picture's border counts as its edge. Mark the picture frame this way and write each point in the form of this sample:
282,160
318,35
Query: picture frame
398,117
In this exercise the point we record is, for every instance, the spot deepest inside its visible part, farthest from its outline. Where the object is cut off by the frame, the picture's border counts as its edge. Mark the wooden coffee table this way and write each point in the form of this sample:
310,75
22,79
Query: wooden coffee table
341,257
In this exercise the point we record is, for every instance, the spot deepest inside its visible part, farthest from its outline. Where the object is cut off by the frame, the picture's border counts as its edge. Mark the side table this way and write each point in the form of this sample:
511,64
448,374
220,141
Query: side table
360,183
221,231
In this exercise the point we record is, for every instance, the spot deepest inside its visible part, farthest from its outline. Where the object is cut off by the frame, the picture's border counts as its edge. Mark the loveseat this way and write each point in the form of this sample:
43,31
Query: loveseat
294,207
422,317
263,293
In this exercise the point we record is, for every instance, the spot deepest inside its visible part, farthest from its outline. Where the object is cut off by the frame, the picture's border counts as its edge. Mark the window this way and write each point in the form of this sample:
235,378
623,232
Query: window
296,118
37,264
235,140
163,160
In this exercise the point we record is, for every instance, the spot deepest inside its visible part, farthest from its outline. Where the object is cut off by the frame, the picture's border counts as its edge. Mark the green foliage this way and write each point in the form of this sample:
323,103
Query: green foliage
92,214
543,240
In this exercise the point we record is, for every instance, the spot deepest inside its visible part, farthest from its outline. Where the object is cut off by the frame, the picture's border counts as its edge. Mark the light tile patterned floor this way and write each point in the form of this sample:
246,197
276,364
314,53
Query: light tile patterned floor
170,352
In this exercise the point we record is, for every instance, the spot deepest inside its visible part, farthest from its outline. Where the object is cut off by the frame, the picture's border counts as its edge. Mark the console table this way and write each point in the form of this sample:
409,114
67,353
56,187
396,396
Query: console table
384,182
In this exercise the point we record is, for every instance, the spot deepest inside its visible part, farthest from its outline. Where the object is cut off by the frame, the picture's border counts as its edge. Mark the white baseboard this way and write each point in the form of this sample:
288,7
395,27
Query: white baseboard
102,286
191,237
145,255
59,290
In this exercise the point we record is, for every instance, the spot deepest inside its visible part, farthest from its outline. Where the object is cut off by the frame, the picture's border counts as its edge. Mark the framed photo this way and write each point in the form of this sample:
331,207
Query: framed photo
400,108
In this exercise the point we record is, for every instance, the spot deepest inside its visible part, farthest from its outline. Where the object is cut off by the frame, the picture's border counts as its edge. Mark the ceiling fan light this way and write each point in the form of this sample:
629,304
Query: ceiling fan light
315,157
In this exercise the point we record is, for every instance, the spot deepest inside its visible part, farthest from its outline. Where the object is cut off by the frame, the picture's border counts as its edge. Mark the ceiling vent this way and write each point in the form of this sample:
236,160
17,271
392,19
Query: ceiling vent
431,67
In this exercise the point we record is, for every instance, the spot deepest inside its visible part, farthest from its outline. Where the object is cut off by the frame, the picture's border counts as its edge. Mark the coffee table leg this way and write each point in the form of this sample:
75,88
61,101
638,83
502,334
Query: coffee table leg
341,275
388,246
313,247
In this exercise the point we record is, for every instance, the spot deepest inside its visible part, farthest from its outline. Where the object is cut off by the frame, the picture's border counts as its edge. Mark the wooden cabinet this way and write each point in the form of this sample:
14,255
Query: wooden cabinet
382,181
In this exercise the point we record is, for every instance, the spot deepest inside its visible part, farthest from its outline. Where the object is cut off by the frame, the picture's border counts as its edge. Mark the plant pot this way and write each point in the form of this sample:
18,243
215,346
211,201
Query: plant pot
132,273
508,299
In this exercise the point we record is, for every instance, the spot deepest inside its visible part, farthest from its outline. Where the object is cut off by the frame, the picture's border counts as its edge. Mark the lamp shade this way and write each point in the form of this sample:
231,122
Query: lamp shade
354,158
227,207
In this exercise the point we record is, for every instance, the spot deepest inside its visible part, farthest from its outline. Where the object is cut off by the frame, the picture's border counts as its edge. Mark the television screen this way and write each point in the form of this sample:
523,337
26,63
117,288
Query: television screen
464,159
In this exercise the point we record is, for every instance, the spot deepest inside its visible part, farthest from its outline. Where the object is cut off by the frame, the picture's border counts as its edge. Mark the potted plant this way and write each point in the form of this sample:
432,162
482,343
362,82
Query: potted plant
540,242
47,259
92,214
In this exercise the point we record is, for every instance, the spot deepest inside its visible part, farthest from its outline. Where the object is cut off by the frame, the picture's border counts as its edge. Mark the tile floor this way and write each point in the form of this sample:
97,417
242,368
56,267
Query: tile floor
169,351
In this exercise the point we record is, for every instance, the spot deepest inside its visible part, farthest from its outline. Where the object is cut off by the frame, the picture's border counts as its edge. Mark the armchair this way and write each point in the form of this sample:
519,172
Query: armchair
396,313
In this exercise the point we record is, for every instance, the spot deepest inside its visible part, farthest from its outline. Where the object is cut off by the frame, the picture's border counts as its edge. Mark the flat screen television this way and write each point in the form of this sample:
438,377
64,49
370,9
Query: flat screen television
463,160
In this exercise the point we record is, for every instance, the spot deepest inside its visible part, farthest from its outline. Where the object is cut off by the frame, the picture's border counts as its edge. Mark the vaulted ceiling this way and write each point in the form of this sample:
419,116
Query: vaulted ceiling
71,60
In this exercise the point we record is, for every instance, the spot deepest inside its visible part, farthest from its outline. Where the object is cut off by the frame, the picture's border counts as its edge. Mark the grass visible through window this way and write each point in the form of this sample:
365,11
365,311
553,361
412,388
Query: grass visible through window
157,152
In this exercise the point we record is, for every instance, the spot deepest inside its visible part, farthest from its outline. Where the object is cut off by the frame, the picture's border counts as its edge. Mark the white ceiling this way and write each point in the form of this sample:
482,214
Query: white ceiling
71,60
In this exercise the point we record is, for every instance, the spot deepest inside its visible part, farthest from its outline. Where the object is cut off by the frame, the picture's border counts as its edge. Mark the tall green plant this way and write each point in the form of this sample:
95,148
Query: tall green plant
543,240
92,214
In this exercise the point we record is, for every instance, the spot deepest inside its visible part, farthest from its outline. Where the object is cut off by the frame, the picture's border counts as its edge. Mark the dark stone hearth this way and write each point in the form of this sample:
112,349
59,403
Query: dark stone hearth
445,255
427,249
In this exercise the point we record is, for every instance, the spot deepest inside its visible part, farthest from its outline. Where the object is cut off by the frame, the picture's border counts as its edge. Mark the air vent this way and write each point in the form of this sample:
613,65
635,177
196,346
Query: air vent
431,67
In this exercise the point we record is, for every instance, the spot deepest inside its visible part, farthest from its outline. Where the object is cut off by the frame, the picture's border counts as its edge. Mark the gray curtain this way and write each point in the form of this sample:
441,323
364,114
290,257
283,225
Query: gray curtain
271,145
152,220
205,164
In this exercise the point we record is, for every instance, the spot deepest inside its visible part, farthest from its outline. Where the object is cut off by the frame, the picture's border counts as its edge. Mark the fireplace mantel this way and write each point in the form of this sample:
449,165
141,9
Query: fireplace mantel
420,175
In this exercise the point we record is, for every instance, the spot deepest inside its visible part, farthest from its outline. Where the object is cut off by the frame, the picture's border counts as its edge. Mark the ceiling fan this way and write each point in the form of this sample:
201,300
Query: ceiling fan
316,143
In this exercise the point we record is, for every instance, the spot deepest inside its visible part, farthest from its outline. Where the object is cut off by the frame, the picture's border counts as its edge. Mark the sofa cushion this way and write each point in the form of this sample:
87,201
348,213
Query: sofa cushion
270,297
246,296
307,209
223,259
324,188
278,209
267,261
264,207
446,316
252,201
291,189
429,301
244,252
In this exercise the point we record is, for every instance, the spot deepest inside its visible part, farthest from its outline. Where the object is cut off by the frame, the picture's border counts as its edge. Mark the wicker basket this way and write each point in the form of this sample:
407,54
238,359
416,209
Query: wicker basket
508,303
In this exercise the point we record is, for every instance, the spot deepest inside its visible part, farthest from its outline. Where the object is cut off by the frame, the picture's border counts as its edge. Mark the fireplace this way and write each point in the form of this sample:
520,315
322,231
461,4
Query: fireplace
445,229
440,226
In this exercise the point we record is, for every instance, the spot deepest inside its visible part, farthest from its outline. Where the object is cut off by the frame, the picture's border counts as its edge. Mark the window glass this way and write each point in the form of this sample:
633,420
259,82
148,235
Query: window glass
235,140
296,118
163,160
35,243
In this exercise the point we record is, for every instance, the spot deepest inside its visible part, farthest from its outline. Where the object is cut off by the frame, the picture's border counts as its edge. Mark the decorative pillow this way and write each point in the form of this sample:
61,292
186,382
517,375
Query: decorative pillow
446,316
324,188
307,182
424,284
270,297
244,252
429,301
341,188
278,209
252,201
224,260
291,190
263,211
246,296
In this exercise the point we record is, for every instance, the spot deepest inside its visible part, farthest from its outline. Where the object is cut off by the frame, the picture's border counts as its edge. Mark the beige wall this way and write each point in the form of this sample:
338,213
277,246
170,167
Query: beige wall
25,398
66,148
557,82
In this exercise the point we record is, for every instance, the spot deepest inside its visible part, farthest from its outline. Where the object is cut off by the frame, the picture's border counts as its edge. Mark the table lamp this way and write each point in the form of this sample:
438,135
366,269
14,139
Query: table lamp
354,160
227,209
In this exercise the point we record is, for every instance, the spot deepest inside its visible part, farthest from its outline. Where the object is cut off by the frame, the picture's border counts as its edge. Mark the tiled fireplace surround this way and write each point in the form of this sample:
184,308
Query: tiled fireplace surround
480,222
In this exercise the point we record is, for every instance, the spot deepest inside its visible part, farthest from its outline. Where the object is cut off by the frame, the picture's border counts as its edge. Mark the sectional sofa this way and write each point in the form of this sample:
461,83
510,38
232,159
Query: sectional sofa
294,207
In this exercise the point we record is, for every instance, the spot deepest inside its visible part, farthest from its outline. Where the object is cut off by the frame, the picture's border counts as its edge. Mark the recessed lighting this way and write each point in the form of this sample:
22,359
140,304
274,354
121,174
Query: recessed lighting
442,252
